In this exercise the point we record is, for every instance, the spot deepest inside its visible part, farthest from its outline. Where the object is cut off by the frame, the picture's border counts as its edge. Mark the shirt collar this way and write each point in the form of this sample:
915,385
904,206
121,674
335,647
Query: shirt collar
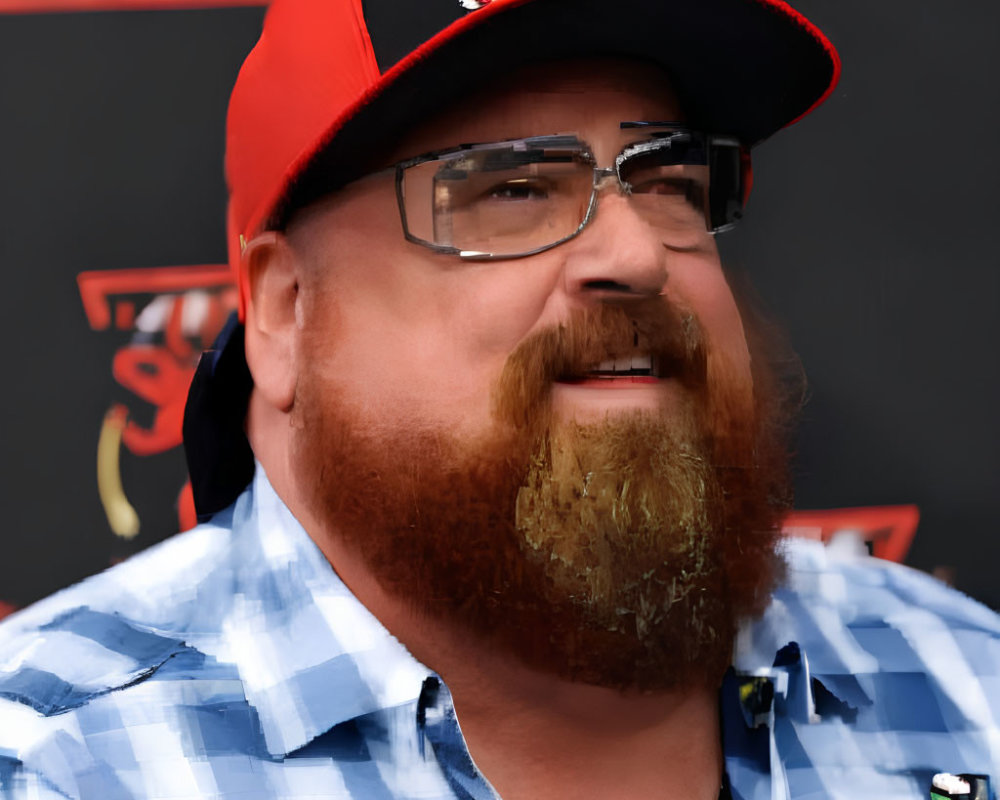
310,655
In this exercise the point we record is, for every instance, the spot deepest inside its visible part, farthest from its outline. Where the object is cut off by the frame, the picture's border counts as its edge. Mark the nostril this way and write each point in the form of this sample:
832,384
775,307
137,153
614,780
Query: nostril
604,285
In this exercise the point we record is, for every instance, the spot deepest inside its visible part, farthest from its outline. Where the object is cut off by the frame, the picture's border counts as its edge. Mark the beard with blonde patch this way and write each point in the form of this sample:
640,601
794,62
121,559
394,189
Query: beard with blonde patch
622,553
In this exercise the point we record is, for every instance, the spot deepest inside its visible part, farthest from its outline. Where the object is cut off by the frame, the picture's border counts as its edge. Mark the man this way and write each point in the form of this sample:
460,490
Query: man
513,450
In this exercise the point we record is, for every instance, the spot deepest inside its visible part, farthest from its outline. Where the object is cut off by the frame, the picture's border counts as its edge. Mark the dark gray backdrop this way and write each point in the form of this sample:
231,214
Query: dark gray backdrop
870,233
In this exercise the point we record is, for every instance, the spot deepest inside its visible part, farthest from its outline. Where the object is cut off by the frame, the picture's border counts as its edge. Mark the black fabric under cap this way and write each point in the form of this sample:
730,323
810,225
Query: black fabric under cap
220,461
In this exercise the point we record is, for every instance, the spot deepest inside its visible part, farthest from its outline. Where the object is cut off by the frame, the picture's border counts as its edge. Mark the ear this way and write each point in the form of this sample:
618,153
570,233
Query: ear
272,273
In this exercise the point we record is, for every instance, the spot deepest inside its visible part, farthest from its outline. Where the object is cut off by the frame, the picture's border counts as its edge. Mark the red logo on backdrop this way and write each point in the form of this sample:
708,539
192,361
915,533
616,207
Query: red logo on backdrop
171,315
887,530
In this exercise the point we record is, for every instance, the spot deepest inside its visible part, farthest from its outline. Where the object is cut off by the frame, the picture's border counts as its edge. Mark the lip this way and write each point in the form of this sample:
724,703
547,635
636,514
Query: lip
592,398
623,382
636,370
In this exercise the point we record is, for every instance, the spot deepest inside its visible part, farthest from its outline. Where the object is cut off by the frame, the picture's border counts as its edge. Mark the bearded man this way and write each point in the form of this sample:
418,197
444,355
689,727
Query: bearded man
515,454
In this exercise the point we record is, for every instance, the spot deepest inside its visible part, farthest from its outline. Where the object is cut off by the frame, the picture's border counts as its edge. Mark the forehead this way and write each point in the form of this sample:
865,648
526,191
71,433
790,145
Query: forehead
587,97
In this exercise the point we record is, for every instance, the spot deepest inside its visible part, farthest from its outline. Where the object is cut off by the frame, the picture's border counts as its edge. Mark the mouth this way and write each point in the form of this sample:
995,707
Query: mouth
641,368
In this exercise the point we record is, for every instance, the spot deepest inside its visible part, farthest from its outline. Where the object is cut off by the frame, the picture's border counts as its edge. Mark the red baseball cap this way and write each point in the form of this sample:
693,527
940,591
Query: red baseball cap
332,82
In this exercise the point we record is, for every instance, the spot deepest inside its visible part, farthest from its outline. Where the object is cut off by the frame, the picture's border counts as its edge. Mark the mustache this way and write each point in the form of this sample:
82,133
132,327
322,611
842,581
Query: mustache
650,326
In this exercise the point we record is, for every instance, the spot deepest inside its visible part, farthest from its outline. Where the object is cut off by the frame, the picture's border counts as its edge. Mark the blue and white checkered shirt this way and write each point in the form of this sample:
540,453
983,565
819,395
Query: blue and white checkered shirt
231,662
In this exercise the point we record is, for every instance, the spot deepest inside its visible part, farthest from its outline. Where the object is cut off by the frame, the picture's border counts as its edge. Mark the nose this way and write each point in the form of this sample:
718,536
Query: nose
618,255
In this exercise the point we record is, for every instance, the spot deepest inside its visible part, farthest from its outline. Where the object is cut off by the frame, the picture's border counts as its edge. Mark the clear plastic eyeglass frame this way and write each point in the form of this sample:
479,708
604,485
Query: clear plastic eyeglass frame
727,160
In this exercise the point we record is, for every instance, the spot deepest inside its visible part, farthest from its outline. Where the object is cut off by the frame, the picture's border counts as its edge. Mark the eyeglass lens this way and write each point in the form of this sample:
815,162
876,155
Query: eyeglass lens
514,198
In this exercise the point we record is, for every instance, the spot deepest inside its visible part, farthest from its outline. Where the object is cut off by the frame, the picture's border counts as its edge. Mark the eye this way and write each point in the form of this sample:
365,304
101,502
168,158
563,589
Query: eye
518,189
672,189
681,187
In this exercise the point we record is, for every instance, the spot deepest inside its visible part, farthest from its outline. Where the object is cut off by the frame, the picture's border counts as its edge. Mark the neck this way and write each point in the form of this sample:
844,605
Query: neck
535,735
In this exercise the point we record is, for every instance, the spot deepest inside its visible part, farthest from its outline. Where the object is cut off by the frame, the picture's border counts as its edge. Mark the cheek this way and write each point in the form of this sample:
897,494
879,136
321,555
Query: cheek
420,343
727,336
729,367
408,333
493,307
704,290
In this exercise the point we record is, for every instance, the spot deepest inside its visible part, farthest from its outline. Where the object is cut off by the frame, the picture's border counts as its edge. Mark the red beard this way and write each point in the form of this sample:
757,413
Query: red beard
620,554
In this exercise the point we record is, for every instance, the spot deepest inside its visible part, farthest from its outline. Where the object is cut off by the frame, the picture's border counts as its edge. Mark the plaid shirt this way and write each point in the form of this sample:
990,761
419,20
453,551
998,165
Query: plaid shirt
231,662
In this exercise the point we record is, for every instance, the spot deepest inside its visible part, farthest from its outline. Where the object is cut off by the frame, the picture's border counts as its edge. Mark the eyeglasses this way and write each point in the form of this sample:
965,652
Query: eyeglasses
523,196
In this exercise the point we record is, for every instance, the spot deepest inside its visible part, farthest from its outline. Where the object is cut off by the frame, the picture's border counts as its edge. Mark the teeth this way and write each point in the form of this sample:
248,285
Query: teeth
640,363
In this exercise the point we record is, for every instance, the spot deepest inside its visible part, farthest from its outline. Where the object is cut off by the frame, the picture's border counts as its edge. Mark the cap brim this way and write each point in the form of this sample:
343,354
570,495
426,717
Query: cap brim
740,68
